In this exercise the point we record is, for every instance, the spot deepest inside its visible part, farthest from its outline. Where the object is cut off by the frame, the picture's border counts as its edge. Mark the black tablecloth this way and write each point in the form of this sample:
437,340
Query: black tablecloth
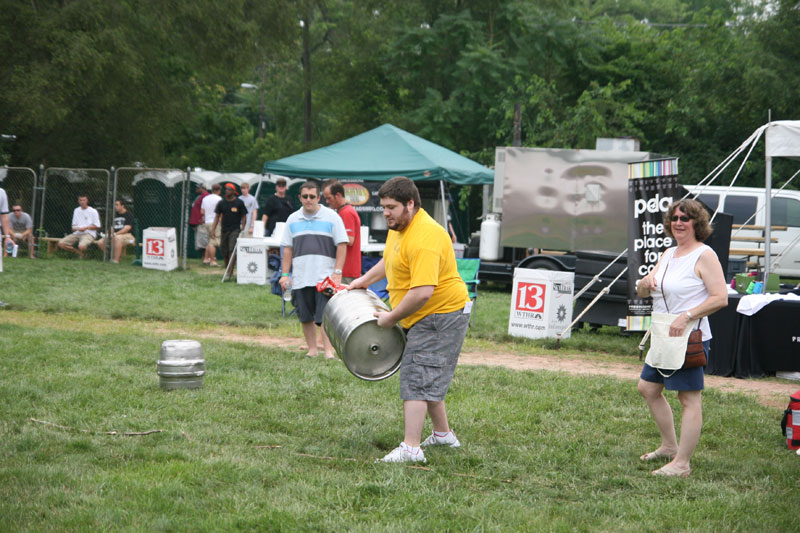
757,345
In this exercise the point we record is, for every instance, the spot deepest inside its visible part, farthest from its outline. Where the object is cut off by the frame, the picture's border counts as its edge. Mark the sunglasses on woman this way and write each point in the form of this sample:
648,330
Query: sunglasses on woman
682,218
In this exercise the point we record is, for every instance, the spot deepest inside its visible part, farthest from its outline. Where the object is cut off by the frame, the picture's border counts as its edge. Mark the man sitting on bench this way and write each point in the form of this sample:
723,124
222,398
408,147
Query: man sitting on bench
121,231
85,223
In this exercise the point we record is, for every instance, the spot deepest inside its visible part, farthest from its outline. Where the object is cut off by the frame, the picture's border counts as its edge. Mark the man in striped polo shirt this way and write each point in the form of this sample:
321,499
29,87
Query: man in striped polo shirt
314,246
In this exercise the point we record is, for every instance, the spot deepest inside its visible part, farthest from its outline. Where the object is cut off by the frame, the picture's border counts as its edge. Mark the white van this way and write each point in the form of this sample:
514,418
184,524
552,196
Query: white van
742,202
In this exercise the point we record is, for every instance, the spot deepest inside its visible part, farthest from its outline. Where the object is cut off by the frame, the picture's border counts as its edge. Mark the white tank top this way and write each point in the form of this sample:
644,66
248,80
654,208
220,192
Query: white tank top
683,288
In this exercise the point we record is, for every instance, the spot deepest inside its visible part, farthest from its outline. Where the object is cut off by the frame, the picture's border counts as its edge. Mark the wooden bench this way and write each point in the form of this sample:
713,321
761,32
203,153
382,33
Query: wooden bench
757,228
747,251
753,239
52,243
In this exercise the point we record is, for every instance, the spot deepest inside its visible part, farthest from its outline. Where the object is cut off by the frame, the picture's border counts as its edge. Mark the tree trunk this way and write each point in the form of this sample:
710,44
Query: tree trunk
307,75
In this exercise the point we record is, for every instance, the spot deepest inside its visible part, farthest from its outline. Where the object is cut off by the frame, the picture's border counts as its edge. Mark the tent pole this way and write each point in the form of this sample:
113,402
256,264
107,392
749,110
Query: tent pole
444,206
768,220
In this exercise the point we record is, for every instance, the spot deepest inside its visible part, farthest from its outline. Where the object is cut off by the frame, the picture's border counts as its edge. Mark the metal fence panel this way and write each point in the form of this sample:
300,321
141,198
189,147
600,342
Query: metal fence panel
20,186
60,190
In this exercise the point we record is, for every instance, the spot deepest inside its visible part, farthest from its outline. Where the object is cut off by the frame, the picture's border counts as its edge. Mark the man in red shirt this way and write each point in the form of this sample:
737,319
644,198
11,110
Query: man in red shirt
333,191
196,219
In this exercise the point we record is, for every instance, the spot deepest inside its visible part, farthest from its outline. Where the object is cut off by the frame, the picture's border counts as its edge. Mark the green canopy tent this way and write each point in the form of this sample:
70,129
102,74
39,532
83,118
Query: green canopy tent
383,153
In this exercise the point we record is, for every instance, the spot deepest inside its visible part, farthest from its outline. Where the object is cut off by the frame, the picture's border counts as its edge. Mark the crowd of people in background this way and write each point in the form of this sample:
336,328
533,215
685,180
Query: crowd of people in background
218,217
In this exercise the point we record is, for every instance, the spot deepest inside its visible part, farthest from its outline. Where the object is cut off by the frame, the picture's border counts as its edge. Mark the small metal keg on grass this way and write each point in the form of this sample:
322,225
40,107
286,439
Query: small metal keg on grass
181,365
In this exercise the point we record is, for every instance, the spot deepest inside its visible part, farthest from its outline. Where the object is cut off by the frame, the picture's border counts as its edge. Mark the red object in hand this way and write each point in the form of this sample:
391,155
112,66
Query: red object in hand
328,287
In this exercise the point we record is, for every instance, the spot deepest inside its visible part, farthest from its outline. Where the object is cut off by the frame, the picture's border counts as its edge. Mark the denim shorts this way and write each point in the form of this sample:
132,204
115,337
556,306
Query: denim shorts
429,359
683,379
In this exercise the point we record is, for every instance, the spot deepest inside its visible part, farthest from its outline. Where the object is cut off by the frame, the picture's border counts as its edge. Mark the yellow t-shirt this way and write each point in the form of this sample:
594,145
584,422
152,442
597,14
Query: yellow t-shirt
422,254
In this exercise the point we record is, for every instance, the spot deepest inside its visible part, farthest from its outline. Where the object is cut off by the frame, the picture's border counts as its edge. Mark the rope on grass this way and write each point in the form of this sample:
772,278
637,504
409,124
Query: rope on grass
133,433
120,433
473,476
427,469
324,457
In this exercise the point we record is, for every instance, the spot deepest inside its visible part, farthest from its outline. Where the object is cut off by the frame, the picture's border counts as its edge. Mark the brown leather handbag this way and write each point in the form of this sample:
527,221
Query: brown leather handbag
695,354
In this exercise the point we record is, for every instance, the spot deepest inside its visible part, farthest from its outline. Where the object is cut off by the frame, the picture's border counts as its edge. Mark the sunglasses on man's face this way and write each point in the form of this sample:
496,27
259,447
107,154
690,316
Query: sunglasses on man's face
308,196
682,218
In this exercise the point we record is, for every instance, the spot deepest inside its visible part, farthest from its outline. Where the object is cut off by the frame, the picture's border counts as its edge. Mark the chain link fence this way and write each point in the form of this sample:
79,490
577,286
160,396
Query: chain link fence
61,188
20,186
156,198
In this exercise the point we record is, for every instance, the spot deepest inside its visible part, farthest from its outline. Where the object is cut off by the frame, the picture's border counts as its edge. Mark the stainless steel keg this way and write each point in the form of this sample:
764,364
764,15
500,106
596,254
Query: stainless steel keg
181,365
369,351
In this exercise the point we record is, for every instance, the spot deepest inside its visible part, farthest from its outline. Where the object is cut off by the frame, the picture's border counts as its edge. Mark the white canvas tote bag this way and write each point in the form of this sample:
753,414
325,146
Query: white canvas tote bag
667,353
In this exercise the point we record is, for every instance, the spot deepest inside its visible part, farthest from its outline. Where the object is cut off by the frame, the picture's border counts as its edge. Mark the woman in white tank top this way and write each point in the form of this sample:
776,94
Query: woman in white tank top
688,280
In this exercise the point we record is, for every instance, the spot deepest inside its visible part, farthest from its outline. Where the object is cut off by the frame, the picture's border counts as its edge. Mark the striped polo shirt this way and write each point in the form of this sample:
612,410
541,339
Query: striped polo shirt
313,240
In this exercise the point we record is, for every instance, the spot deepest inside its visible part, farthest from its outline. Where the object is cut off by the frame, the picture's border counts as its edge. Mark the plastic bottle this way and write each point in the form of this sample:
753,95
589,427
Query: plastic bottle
287,292
9,246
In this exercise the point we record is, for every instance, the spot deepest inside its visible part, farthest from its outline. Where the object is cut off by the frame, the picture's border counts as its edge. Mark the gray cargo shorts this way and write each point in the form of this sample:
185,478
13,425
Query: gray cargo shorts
429,359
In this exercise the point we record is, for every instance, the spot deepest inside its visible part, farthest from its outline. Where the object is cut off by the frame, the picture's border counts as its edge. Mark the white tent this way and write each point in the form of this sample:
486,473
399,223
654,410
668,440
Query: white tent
782,140
170,178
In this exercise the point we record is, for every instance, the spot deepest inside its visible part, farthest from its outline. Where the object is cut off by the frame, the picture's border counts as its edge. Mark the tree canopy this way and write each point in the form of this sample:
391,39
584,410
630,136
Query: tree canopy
228,85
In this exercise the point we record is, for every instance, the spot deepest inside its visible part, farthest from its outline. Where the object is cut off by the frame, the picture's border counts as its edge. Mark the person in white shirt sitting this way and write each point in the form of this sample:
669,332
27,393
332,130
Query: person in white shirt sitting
85,223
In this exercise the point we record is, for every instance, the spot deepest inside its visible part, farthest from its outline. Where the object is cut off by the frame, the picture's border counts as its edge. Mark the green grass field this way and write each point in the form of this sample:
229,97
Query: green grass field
275,441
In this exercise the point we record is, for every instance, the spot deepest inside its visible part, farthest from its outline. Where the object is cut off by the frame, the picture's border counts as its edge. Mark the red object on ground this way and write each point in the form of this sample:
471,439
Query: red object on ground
791,422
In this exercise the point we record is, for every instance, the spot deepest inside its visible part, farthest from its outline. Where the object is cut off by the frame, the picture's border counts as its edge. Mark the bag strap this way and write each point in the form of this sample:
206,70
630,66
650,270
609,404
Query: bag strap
662,284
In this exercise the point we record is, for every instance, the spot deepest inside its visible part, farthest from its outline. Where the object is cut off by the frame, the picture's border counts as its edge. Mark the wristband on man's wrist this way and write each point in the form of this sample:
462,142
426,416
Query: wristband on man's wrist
337,271
284,274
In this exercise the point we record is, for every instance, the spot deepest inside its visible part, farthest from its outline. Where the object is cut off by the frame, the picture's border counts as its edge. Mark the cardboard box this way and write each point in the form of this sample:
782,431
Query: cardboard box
160,249
251,261
541,304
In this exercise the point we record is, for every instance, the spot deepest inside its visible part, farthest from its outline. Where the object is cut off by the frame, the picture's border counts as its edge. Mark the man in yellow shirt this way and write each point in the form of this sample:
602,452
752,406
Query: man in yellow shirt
430,301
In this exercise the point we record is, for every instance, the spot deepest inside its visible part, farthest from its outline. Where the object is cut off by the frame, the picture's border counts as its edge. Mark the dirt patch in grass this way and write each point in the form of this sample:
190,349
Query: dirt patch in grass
768,392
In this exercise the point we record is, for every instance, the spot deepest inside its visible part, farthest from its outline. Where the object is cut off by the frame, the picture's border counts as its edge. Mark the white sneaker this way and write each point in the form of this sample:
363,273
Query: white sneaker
403,454
449,439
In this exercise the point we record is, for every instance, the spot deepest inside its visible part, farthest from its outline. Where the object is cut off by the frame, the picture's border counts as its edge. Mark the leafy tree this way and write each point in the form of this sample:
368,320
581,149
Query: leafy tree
96,83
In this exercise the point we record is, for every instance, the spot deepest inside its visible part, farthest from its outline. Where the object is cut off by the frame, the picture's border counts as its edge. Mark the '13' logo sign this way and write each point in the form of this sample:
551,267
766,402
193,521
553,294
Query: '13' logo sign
155,247
530,297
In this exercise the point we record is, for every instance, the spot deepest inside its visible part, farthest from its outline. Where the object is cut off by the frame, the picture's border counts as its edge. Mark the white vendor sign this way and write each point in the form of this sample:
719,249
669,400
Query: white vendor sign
160,249
251,261
541,304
